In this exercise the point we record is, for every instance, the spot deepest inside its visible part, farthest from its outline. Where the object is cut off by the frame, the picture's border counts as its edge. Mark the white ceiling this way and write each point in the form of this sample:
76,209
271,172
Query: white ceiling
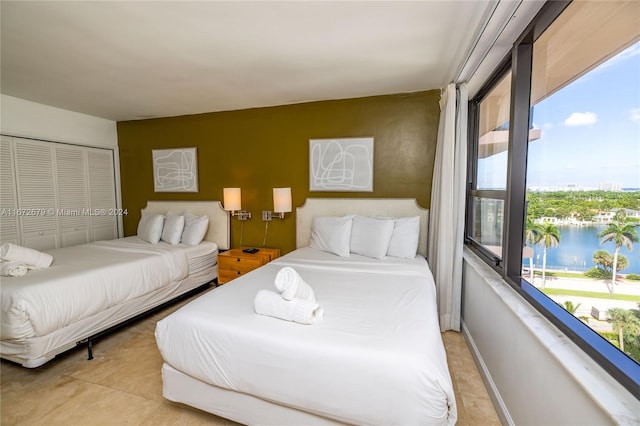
126,60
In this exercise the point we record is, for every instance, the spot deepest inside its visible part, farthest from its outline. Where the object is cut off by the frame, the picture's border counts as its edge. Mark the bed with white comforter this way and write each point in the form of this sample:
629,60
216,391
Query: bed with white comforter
92,287
376,357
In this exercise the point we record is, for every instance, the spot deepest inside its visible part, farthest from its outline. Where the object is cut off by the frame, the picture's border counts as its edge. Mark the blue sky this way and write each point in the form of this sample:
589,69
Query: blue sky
590,130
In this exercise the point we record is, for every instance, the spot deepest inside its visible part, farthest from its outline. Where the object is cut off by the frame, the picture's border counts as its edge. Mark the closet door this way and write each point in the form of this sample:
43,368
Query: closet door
102,194
73,198
36,185
9,229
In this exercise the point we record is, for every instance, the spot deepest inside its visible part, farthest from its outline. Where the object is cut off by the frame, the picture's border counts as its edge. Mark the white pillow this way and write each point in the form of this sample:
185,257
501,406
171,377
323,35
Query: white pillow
404,240
370,237
173,226
331,234
195,228
150,227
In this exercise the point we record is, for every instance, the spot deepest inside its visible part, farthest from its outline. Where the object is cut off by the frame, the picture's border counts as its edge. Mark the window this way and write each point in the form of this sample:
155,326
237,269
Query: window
555,193
490,183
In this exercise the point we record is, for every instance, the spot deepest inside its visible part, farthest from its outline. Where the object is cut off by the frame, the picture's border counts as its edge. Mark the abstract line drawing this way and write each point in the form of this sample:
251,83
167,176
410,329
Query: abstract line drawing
341,164
175,170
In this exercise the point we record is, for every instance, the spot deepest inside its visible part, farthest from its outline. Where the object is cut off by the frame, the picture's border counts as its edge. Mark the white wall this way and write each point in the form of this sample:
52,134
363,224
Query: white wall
32,120
536,374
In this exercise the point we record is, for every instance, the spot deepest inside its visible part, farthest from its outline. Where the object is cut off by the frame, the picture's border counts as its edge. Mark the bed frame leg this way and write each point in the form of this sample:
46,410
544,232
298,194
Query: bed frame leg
89,343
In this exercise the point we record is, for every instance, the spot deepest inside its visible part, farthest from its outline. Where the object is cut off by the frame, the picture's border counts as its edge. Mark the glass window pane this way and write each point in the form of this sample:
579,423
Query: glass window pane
493,136
583,168
488,223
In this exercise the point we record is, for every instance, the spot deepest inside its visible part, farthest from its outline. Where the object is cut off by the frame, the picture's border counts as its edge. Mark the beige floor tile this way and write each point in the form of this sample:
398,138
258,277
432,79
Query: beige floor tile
472,399
133,366
482,411
29,405
99,405
179,415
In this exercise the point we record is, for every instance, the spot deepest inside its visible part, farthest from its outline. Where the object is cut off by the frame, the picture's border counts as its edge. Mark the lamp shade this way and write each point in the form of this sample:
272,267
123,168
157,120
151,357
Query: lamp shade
232,199
282,200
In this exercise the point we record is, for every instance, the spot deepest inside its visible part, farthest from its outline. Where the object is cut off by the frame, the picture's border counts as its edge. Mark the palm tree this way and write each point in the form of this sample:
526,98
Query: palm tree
531,237
533,232
549,237
570,307
622,233
625,322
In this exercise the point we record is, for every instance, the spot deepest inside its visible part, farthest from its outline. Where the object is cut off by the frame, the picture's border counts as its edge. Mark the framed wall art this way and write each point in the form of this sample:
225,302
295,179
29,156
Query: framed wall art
175,170
341,164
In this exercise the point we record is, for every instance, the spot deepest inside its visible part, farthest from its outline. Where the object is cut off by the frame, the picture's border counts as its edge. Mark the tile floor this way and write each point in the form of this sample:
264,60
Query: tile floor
122,385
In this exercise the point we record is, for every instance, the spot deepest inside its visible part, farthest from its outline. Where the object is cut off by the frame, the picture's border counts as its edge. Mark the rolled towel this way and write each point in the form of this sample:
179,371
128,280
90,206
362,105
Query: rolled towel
271,304
291,286
13,269
33,258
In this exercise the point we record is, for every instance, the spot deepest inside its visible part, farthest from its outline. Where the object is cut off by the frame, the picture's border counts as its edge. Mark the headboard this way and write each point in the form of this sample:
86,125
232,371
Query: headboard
389,207
219,221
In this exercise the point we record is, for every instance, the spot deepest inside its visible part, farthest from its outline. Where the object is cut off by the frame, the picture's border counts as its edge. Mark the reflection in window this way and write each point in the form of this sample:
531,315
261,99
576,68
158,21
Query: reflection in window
489,222
493,136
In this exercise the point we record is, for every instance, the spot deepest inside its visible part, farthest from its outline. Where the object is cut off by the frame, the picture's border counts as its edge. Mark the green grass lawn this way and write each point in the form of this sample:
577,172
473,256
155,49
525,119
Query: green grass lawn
576,275
594,294
562,274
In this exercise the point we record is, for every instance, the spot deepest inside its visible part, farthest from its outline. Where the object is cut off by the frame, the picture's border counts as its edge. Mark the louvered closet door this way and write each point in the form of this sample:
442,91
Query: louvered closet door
73,198
102,195
9,231
36,185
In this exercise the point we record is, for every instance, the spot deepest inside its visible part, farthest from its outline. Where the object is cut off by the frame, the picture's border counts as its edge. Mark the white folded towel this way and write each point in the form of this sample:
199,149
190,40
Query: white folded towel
32,258
301,311
13,269
291,286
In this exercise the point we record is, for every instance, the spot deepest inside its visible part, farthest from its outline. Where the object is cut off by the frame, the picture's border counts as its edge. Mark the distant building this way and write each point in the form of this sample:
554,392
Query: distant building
607,217
610,186
631,214
604,217
548,219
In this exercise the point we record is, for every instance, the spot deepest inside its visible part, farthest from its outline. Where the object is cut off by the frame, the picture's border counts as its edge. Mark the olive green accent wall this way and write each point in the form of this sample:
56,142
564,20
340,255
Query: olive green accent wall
262,148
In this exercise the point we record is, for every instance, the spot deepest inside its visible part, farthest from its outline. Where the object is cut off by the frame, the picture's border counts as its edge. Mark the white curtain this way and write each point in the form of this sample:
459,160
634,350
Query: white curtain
447,211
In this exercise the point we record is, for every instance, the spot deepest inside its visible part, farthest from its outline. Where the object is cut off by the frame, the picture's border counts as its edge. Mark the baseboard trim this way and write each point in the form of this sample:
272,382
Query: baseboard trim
492,389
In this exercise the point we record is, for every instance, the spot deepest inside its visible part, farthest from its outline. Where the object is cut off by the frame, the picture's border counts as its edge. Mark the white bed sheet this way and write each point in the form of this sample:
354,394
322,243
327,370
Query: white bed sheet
88,279
376,358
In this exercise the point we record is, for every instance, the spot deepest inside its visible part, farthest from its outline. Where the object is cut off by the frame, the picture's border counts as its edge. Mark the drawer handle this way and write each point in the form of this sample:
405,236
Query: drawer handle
237,259
238,272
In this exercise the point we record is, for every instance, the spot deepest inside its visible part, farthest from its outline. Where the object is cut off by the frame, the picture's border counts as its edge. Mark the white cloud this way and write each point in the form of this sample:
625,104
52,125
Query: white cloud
545,125
581,119
634,114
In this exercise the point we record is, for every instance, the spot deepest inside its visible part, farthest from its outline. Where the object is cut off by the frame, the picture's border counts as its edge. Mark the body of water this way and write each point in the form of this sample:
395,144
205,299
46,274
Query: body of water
575,252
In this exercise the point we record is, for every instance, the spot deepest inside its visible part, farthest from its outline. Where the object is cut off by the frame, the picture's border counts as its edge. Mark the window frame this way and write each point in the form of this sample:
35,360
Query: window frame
519,62
472,168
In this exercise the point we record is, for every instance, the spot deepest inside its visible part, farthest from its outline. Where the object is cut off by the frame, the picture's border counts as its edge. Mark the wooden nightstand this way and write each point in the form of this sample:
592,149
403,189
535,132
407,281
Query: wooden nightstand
234,263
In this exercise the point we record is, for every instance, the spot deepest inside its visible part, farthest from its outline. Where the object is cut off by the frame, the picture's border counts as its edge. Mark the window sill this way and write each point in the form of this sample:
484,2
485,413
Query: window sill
604,391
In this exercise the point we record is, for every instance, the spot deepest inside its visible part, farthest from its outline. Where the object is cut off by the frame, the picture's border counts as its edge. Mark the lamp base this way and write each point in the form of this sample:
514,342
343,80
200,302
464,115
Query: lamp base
268,215
242,214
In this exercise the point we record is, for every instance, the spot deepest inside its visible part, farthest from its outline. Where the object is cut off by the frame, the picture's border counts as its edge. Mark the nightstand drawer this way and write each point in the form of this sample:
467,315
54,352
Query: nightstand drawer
239,264
225,276
234,263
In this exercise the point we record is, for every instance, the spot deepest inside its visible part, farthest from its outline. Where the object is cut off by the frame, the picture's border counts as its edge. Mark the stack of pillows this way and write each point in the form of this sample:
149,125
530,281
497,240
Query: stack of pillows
171,228
376,237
